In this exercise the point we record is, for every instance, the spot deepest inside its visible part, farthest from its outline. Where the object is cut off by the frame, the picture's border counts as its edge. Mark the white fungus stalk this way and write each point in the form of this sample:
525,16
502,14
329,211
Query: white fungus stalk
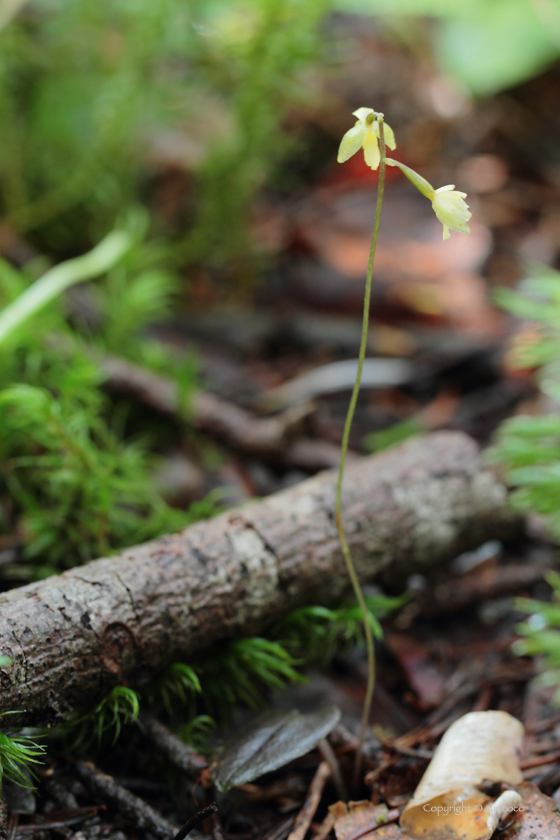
505,804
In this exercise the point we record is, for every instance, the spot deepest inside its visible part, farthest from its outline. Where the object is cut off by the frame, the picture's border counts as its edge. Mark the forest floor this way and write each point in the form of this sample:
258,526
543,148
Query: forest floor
440,359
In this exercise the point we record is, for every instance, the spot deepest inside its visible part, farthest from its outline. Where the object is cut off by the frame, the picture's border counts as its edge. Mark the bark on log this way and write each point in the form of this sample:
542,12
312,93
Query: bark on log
119,620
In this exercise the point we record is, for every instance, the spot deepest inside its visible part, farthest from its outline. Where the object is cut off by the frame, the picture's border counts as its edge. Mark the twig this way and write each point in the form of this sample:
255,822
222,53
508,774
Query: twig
217,831
61,795
483,700
303,819
440,719
209,413
493,582
281,831
180,754
403,750
131,806
13,822
344,741
325,828
31,828
551,758
374,775
328,754
543,725
199,817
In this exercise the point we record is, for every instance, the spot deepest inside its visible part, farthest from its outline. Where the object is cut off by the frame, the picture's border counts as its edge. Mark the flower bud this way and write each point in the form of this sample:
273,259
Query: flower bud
420,183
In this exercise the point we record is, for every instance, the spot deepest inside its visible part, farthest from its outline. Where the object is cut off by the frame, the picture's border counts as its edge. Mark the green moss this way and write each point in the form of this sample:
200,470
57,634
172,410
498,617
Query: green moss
18,755
78,487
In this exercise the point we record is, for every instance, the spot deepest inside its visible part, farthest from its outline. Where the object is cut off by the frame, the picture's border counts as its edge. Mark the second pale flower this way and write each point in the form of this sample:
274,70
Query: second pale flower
451,209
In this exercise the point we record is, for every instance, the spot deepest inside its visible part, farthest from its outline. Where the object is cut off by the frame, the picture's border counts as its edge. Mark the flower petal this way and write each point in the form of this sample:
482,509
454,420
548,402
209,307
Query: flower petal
387,133
451,210
372,154
446,233
449,187
352,141
362,113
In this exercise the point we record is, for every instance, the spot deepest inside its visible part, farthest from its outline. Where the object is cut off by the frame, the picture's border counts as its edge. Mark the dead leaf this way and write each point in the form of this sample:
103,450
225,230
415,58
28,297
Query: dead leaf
478,746
270,742
423,676
539,820
461,813
358,820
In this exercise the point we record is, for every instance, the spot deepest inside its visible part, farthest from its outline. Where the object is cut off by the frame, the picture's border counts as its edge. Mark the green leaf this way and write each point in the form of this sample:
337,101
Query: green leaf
61,277
506,42
487,46
393,435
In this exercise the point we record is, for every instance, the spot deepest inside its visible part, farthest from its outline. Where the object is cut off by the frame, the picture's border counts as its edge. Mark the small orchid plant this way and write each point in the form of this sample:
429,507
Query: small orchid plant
373,135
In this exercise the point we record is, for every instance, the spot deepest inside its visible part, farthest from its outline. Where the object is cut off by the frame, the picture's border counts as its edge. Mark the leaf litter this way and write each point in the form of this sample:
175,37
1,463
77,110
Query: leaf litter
269,743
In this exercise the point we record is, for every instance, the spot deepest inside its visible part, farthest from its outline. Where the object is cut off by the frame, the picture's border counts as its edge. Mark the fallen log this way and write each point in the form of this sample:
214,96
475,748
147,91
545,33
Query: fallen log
119,620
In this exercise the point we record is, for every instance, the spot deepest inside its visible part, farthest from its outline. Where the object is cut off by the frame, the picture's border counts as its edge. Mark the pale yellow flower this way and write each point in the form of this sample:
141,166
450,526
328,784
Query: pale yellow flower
448,203
451,209
365,135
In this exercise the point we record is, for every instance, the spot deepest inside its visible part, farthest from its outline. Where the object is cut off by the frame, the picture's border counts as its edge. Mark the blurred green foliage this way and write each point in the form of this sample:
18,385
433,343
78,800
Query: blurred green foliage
96,98
488,45
529,447
71,483
96,102
393,435
541,636
317,633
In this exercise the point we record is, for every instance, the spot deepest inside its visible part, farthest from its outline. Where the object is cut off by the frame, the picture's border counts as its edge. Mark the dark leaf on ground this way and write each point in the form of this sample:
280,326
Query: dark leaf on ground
270,742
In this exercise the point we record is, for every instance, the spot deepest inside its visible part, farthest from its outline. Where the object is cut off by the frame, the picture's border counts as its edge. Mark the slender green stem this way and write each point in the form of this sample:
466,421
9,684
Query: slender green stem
345,437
